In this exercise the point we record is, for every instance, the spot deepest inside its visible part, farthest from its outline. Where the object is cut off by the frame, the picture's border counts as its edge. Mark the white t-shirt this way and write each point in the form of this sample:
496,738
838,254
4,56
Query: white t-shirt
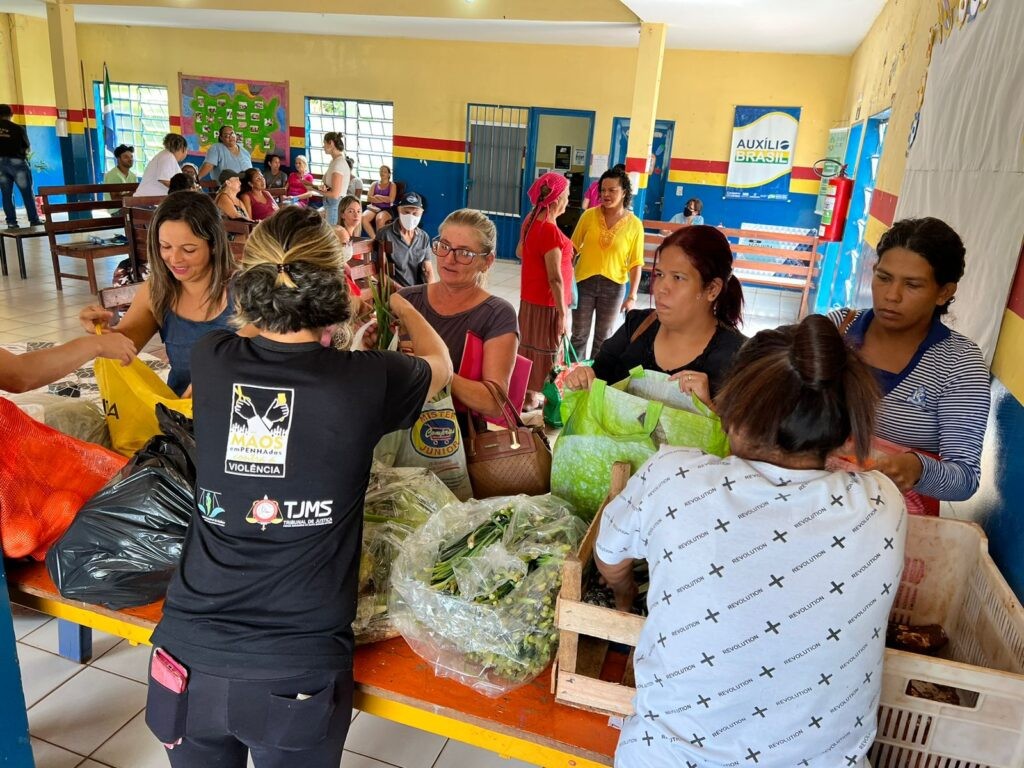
162,166
769,598
338,165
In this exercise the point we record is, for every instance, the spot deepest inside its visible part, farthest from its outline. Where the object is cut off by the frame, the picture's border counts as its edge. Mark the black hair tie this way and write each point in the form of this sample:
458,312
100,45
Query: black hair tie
283,268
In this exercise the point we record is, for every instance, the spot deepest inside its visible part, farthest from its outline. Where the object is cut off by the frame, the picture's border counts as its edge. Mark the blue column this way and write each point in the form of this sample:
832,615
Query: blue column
15,748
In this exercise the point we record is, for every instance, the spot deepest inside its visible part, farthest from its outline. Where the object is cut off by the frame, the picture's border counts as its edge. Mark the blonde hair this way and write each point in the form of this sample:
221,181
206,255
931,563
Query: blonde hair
292,274
483,227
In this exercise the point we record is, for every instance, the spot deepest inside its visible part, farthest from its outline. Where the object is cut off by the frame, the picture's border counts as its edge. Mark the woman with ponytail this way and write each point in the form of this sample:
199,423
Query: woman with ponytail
771,577
692,331
546,290
260,610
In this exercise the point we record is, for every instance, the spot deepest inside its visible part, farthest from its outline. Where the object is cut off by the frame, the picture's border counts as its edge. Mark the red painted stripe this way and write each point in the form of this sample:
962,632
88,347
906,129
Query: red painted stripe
703,166
883,206
91,113
175,121
805,173
1016,302
296,132
417,142
32,109
636,165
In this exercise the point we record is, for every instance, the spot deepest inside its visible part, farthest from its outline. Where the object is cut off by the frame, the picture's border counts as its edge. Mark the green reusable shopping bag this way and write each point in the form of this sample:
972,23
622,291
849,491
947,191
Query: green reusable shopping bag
554,387
685,420
602,426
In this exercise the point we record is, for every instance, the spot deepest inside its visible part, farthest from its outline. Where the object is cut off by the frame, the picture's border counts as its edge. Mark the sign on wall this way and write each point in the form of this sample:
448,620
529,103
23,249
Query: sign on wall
761,154
838,138
257,110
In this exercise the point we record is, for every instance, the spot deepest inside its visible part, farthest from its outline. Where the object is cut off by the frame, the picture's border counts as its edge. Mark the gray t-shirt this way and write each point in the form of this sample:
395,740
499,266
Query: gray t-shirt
489,319
408,258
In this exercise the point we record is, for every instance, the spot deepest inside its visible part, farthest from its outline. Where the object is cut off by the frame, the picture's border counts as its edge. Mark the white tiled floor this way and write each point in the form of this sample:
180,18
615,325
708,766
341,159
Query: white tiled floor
91,716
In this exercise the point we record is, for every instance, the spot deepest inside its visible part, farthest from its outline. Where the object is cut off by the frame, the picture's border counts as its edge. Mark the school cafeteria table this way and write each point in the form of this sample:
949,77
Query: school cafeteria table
391,682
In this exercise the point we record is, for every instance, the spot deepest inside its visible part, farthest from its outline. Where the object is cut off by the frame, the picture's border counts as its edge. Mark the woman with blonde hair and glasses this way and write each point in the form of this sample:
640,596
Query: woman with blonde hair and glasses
260,610
458,303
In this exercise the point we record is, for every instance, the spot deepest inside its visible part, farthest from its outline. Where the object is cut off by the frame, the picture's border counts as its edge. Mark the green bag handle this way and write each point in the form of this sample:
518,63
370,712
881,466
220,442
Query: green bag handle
596,398
568,351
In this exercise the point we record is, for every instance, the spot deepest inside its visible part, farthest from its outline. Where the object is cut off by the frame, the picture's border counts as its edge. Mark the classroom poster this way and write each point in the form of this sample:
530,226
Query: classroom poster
838,138
257,110
761,153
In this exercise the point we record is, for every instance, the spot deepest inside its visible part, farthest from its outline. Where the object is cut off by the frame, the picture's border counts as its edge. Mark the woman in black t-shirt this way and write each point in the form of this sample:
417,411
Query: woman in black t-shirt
692,332
260,610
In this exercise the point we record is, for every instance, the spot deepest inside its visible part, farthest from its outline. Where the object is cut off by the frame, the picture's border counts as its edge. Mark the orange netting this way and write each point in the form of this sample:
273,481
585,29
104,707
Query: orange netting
45,478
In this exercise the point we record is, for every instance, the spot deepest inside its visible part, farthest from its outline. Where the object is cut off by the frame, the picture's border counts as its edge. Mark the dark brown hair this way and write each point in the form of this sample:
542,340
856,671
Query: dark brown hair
934,241
709,252
800,389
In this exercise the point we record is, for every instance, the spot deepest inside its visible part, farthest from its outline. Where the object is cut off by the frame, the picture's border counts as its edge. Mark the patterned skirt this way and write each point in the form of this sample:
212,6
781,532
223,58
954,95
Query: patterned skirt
538,340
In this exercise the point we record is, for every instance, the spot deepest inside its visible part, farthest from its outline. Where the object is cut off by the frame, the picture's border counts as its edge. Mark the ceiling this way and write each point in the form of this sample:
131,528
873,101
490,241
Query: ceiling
781,26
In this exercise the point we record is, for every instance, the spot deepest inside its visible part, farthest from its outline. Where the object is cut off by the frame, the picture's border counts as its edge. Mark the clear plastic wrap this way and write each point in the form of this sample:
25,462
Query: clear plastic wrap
79,418
502,634
398,501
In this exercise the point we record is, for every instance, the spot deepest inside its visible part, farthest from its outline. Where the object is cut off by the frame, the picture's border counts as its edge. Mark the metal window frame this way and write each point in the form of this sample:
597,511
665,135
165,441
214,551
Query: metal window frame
144,152
314,138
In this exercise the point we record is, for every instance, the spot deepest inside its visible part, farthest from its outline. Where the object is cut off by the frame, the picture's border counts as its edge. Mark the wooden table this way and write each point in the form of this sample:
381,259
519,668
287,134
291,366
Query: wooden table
394,683
18,236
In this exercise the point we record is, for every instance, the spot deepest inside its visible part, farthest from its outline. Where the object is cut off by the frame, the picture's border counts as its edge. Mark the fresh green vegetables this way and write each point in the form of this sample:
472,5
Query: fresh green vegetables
381,290
474,589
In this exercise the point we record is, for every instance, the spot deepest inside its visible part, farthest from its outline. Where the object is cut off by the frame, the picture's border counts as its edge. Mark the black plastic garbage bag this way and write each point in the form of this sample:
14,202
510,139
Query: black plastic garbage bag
124,544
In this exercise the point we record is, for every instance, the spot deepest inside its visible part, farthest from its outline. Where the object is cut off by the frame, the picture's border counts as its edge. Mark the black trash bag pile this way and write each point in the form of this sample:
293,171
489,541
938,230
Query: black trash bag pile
124,544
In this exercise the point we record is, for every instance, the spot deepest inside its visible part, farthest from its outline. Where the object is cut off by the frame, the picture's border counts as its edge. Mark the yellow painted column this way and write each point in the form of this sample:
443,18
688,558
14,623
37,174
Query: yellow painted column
68,93
642,116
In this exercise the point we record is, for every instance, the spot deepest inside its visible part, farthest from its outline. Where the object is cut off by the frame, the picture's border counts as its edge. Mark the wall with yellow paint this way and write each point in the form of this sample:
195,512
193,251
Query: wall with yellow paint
432,81
27,60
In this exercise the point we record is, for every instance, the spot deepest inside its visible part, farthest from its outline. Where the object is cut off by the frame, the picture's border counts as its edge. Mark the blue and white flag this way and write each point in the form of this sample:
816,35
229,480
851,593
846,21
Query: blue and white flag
109,122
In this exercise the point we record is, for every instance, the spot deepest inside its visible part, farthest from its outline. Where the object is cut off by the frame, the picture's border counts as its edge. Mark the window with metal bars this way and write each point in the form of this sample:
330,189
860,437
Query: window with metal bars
368,128
140,118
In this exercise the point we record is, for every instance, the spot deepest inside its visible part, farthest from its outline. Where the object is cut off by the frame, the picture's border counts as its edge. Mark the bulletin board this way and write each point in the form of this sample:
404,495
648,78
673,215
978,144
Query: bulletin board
257,110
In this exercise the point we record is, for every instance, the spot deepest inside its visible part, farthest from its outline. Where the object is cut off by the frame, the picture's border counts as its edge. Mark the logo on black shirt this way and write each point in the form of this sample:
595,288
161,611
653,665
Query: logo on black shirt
264,512
261,418
209,505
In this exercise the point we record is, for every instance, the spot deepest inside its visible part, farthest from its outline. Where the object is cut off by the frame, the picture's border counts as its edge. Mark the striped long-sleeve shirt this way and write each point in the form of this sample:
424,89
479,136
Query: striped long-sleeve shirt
939,404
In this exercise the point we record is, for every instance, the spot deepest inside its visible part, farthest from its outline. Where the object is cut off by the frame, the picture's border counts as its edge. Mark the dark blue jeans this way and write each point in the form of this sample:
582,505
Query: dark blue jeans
16,172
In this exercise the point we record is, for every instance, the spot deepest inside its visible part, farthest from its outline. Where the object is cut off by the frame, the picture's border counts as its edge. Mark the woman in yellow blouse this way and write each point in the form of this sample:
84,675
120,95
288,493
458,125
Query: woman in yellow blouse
610,240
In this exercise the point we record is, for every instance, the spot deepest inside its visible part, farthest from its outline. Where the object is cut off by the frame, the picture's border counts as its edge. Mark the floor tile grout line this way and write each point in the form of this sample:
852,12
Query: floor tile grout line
111,736
58,746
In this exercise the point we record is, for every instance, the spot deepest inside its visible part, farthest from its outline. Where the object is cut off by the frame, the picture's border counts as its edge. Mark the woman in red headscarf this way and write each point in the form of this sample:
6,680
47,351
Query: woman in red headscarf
546,292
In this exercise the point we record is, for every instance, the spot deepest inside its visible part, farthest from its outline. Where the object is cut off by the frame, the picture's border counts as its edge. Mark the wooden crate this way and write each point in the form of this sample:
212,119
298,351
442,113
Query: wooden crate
586,632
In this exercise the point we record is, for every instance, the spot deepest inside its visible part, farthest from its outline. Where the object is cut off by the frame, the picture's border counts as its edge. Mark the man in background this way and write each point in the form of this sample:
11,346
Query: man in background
122,172
15,170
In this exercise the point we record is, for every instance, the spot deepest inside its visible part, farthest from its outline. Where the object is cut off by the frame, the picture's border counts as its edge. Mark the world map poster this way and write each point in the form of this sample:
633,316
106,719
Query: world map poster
257,110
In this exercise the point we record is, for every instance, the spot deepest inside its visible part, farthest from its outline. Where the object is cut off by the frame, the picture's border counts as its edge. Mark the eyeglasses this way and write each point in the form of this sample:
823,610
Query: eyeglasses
461,255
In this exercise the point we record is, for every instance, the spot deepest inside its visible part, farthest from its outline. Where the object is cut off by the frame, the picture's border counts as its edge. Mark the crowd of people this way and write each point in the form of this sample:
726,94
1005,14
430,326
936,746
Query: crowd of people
789,399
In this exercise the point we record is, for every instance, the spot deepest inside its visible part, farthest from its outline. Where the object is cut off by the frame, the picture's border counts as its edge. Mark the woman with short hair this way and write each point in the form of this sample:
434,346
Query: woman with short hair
771,577
226,155
162,167
269,664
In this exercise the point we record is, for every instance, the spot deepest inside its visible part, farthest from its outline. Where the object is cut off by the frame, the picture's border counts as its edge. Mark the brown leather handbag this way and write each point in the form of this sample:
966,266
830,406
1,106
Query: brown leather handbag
505,462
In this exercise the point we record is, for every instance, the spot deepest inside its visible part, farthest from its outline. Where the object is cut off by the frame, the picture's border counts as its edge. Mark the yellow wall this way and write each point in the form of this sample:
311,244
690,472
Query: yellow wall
561,129
432,81
26,67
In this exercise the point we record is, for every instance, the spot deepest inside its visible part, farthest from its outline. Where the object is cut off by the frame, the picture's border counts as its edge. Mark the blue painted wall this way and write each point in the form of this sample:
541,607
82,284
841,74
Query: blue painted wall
798,211
439,182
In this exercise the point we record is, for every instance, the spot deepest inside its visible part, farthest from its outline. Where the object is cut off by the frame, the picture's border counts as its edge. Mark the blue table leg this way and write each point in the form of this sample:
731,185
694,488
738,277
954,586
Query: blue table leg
74,641
15,747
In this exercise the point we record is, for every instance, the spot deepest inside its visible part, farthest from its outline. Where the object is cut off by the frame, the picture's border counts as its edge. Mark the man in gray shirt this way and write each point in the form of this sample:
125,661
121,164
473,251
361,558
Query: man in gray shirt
410,245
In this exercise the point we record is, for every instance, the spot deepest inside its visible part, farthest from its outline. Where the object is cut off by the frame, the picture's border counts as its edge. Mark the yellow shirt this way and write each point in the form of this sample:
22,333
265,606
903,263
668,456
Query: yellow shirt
608,252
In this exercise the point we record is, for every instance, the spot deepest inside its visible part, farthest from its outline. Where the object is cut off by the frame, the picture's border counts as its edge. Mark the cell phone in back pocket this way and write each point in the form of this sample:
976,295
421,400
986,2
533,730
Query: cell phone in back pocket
168,671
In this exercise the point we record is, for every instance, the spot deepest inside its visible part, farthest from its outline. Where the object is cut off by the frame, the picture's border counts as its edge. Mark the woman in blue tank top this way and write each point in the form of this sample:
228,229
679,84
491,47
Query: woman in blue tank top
187,293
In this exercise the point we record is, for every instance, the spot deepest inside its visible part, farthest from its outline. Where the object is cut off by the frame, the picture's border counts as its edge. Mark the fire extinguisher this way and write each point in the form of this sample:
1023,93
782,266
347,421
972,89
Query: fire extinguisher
837,205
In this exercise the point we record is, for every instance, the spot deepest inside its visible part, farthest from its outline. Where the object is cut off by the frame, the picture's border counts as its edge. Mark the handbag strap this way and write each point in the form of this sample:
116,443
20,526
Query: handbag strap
848,318
642,328
501,398
569,355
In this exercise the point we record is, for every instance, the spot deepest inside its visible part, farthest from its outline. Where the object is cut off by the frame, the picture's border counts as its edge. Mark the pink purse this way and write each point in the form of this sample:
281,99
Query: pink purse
472,368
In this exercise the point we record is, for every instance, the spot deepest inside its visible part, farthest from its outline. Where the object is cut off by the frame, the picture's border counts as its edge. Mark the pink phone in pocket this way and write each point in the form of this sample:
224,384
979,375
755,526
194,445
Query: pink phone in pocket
167,671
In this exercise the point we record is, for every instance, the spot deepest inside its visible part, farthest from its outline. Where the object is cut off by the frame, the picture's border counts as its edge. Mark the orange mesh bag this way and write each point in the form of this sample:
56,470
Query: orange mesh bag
45,478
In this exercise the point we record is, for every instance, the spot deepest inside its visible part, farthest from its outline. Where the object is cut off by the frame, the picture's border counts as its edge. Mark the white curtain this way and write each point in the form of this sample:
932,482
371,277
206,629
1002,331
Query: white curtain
967,163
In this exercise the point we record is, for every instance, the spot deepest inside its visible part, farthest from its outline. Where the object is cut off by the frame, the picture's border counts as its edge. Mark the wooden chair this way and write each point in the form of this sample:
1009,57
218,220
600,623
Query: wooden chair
118,298
793,268
79,248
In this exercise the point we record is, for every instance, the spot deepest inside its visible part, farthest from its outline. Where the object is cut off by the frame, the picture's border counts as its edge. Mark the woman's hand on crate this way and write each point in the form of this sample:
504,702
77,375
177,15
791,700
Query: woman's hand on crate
620,578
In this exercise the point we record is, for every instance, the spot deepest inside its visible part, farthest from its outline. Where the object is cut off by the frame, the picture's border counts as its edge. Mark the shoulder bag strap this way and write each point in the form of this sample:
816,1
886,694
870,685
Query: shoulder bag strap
642,328
501,398
848,318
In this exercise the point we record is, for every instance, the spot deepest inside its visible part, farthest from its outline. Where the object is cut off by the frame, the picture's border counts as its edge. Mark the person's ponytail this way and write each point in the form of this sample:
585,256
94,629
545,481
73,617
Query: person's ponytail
729,304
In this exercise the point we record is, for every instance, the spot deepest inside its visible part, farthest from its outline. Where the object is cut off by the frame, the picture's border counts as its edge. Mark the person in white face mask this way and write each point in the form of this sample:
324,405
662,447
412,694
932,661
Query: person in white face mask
410,245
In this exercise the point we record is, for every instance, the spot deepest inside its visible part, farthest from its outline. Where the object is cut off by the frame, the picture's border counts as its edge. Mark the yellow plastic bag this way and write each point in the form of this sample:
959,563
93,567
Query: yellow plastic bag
130,394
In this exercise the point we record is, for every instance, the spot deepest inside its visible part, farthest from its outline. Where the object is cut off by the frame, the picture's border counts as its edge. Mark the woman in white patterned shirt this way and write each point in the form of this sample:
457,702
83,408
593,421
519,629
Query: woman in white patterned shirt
934,381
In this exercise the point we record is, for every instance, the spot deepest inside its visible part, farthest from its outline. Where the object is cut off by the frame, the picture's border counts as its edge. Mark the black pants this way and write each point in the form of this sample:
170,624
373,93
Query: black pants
295,720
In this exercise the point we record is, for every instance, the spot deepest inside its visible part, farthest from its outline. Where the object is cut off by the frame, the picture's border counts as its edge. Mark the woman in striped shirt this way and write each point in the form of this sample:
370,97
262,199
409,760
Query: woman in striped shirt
934,381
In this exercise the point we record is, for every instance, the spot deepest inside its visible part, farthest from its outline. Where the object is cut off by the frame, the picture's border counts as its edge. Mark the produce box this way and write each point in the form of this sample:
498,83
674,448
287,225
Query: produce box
948,579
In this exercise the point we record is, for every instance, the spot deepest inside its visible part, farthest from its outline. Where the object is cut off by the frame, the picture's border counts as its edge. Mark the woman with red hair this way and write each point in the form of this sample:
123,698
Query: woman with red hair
692,331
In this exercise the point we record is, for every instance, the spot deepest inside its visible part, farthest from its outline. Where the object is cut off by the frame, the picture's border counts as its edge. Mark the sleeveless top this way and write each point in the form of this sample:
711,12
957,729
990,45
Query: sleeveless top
179,335
261,210
377,190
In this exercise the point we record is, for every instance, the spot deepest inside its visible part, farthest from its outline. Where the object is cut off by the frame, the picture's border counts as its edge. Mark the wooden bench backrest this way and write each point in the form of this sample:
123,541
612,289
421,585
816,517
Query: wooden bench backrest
88,203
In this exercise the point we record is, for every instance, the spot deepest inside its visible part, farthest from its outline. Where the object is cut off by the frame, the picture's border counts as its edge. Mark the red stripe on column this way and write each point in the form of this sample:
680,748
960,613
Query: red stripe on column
296,131
883,206
703,166
417,142
32,109
1016,302
804,173
636,165
175,121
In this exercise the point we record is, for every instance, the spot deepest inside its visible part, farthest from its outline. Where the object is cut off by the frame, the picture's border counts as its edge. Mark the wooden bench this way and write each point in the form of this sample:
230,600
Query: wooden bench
82,199
792,268
18,235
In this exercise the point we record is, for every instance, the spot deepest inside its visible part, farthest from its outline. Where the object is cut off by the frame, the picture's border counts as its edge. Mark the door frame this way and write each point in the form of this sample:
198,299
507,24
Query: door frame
531,144
667,125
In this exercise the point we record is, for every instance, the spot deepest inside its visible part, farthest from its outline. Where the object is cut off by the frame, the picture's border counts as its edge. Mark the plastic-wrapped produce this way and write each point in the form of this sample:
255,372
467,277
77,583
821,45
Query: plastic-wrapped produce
473,590
398,500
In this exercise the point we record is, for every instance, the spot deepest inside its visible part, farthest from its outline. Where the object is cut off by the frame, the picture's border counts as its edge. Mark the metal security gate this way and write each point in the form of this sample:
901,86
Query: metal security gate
496,140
